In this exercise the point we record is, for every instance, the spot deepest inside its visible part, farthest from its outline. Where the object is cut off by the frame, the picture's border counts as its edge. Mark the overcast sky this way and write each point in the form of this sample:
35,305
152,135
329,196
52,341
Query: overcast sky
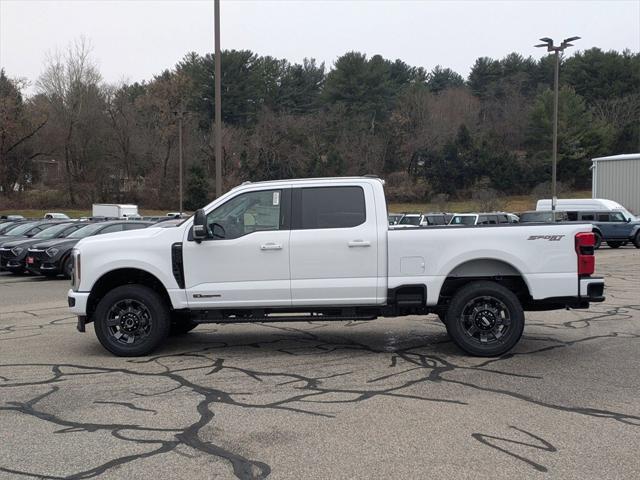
133,40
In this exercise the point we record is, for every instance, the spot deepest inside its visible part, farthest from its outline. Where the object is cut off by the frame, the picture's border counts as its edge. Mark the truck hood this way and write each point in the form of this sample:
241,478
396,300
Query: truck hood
118,239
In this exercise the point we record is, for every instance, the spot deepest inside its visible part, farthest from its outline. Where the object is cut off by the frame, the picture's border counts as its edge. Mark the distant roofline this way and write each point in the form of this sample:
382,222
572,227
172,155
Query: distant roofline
627,156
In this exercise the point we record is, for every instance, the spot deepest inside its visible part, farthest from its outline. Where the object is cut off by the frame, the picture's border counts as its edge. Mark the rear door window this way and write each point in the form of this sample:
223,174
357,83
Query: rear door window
603,217
587,216
332,207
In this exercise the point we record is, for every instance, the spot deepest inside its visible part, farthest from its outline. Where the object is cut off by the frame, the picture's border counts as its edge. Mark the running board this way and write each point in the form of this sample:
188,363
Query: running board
217,317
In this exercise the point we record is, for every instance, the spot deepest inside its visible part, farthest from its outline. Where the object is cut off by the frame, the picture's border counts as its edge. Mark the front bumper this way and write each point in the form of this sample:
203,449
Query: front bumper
78,302
40,263
10,262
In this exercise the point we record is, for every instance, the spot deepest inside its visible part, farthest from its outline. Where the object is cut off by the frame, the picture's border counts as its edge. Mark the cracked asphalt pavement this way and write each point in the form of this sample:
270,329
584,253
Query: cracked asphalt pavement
391,398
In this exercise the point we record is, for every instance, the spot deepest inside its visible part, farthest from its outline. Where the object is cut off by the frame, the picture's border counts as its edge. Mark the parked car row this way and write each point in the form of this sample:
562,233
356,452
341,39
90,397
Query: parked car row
406,220
614,225
44,247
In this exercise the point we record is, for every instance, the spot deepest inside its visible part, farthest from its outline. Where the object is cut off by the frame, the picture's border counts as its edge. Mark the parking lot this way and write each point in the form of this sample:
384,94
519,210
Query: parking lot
392,398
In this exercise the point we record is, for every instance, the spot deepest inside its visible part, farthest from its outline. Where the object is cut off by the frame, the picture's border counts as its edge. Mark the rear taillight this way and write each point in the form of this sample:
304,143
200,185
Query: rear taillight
584,248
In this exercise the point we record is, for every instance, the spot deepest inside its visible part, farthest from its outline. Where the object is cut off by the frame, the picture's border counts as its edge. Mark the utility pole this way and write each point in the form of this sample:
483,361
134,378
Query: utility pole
218,100
548,43
180,115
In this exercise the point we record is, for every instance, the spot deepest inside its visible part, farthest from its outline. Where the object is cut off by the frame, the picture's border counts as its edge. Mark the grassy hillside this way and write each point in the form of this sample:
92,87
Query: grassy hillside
514,203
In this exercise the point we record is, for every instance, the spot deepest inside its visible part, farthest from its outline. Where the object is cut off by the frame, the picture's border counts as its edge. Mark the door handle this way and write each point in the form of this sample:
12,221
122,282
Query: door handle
270,246
359,243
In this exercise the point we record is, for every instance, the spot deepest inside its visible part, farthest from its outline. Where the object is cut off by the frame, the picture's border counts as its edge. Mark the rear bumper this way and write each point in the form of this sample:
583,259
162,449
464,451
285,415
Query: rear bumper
590,289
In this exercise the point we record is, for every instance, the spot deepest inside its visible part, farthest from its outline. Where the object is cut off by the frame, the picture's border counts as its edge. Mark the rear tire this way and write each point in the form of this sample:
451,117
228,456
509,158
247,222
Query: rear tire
598,240
615,244
485,319
131,320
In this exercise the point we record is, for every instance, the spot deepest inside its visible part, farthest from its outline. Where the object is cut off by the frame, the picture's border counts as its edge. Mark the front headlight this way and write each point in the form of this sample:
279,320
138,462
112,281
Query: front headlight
17,251
75,275
52,252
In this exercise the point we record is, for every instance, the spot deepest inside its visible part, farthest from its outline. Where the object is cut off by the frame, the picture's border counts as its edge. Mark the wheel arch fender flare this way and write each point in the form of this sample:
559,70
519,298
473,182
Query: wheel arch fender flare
122,276
487,266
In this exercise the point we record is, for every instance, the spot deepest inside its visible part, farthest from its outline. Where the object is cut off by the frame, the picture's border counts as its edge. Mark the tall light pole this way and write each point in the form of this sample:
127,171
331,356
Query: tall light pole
548,42
180,114
218,100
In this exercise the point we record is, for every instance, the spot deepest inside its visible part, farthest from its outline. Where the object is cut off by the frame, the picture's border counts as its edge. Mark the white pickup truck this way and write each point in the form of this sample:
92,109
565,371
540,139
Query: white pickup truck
321,249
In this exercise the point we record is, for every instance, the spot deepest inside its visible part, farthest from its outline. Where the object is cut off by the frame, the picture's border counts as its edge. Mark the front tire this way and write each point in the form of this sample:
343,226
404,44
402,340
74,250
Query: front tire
485,319
67,267
636,240
131,320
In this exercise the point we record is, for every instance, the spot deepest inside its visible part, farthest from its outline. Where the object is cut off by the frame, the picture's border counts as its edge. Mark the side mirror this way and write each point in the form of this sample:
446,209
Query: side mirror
199,226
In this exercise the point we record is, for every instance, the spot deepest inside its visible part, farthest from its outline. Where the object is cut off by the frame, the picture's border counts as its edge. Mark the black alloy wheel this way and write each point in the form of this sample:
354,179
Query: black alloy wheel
131,320
485,318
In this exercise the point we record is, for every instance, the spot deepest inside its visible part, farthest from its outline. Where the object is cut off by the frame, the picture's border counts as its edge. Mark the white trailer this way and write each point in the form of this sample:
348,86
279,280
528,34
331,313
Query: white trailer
114,210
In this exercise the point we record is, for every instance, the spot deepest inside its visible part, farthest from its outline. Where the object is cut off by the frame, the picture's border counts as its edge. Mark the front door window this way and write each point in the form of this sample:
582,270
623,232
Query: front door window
247,213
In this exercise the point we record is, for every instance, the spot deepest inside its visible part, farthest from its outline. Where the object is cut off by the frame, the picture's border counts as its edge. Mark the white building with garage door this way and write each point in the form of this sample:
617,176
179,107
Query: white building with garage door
618,178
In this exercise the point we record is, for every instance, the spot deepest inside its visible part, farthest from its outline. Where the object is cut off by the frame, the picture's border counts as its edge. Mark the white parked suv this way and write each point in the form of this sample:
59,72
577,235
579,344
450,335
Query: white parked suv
321,249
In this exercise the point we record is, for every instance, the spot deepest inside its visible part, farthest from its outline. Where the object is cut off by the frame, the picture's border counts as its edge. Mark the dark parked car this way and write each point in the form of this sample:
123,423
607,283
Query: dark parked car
25,230
6,225
394,218
13,254
436,218
609,226
52,258
543,216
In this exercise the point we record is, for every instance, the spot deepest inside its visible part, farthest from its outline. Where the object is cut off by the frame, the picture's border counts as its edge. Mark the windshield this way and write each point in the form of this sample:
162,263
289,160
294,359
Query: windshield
627,214
52,232
86,231
20,229
409,221
463,220
5,227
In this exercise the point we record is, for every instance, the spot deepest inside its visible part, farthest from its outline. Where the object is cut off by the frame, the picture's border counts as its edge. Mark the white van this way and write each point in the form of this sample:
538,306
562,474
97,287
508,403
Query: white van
583,204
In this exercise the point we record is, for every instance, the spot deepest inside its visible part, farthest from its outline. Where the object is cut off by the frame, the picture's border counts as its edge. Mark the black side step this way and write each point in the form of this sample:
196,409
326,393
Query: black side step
215,317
